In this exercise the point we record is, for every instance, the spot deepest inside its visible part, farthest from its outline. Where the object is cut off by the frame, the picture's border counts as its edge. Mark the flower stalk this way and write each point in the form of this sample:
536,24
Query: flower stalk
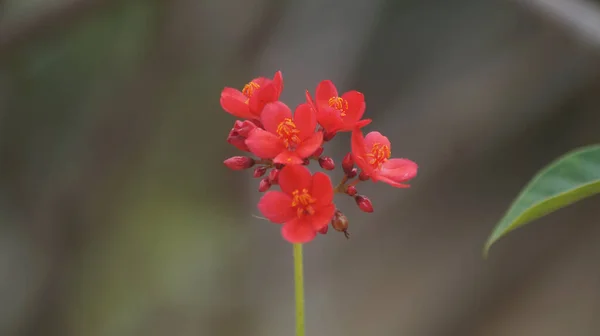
299,289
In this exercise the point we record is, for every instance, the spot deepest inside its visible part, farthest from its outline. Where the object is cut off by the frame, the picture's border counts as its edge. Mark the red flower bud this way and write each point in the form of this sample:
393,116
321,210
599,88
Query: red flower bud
264,185
363,176
238,142
323,230
306,162
351,190
238,134
348,164
274,176
364,203
318,152
278,166
239,162
352,173
259,171
327,136
244,127
339,222
326,163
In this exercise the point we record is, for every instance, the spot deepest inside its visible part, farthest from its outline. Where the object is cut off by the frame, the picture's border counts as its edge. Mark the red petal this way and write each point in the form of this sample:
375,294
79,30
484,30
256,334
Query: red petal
263,144
322,189
376,137
233,101
288,158
389,181
322,217
325,90
330,119
276,207
298,231
310,145
273,114
359,152
278,83
356,106
305,118
261,81
264,95
399,170
309,99
362,123
294,177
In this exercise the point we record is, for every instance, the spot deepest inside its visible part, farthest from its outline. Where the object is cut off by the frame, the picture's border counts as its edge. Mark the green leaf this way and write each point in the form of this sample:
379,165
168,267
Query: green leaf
567,180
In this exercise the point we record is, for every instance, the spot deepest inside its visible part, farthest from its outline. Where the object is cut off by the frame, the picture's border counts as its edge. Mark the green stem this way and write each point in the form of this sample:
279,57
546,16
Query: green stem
299,284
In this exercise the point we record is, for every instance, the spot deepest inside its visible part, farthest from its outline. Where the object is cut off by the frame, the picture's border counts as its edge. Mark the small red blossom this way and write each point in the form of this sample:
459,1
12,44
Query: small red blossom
304,205
239,162
337,113
364,203
351,190
326,163
264,185
372,155
285,139
259,171
273,176
249,102
348,163
239,133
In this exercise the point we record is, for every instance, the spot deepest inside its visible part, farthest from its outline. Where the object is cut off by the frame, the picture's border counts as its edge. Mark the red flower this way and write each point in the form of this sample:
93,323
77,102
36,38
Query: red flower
248,103
337,113
239,133
304,205
285,140
372,155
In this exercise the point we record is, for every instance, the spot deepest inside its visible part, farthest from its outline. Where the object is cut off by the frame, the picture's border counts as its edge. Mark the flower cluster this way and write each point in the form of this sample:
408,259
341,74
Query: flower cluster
284,143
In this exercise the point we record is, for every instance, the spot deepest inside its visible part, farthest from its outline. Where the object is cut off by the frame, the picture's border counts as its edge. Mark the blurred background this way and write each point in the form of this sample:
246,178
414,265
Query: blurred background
117,216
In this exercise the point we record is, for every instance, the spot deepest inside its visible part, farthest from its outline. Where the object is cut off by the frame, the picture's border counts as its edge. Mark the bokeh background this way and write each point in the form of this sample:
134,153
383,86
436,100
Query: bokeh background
117,216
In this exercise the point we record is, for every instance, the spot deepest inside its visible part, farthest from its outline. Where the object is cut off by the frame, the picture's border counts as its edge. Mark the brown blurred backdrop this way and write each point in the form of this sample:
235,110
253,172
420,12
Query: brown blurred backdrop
117,216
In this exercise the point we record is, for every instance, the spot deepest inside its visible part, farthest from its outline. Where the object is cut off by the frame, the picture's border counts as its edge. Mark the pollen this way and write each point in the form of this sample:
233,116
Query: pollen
303,201
288,132
249,89
339,104
379,154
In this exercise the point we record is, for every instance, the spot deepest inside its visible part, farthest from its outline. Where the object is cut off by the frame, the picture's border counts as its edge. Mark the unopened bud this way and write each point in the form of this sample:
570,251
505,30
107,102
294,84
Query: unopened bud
264,185
351,190
363,176
364,203
318,152
238,134
323,230
279,166
348,164
352,173
274,176
259,171
327,136
239,162
238,142
339,222
305,162
244,127
326,163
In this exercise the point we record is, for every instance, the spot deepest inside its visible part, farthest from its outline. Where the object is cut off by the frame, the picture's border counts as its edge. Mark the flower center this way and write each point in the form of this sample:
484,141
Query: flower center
288,132
339,104
303,201
249,89
379,154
